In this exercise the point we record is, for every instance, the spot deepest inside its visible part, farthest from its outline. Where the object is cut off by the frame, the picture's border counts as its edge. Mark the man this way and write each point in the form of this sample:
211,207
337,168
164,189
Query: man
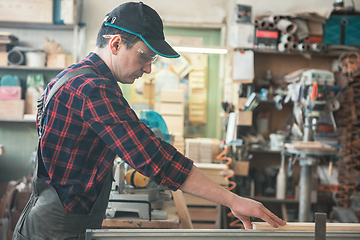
88,122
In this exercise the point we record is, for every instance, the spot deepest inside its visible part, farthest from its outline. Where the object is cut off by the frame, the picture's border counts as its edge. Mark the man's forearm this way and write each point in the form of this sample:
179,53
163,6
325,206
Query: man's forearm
200,185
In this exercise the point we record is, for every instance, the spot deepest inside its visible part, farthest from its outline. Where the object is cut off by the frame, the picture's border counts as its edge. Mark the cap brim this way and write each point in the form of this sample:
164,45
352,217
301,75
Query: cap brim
162,48
158,46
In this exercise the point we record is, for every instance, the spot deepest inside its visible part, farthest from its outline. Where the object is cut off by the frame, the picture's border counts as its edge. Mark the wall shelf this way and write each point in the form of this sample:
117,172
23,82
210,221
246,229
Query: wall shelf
42,26
26,68
18,120
326,54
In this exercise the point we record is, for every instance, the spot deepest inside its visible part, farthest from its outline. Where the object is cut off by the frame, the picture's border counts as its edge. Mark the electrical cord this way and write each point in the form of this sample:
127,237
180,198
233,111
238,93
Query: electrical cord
228,173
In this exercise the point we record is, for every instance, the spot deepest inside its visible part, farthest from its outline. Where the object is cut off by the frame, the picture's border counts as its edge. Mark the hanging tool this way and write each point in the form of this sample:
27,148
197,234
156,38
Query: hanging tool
315,91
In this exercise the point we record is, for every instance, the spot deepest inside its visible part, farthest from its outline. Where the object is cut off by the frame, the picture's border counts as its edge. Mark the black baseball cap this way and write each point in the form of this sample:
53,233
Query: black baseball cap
141,20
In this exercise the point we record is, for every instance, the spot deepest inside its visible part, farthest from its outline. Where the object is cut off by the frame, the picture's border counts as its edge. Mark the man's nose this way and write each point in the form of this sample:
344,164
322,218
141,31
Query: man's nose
147,68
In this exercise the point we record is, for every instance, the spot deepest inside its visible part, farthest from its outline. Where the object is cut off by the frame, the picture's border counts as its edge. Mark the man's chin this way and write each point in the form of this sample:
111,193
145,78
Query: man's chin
128,81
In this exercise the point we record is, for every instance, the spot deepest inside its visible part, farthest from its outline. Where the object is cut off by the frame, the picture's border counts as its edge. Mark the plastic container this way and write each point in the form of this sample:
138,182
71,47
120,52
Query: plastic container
276,141
281,184
281,180
35,59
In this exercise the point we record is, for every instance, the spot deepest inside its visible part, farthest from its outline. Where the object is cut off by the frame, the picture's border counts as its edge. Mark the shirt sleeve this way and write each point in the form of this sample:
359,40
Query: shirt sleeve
109,115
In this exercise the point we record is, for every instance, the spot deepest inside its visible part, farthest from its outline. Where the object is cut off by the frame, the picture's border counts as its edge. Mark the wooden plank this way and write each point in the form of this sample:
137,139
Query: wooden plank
183,212
309,145
284,212
291,226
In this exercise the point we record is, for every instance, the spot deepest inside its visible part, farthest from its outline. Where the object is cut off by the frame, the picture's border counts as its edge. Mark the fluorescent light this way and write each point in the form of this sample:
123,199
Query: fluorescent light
201,50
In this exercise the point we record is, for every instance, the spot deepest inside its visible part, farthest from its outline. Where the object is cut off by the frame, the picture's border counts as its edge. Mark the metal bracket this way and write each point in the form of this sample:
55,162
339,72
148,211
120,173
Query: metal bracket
320,226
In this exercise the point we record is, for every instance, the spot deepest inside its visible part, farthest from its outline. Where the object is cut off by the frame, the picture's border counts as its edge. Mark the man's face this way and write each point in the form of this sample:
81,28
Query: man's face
130,64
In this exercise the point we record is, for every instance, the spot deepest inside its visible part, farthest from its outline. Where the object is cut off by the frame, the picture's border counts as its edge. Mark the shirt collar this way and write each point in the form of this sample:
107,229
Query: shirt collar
101,67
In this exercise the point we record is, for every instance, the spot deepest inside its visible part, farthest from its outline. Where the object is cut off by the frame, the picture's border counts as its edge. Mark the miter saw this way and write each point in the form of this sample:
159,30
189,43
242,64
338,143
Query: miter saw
140,196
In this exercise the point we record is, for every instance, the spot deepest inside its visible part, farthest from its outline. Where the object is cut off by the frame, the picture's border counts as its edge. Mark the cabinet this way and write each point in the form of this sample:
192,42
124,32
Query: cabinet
19,137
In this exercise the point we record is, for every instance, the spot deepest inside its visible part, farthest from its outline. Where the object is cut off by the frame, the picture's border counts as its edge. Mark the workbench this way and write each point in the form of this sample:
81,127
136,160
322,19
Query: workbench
172,220
214,234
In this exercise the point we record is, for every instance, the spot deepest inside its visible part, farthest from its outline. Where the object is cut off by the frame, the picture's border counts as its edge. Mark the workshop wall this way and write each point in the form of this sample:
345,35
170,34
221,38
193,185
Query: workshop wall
199,13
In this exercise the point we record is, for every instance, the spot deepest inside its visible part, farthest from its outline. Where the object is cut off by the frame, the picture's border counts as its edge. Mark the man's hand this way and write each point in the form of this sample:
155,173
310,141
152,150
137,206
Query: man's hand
198,184
244,208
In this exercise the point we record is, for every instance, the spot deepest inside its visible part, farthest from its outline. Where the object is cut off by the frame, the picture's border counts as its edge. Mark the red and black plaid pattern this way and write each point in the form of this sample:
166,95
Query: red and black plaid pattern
88,123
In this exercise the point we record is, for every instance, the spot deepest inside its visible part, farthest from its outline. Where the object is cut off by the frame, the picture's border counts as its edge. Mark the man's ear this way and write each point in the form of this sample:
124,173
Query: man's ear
115,44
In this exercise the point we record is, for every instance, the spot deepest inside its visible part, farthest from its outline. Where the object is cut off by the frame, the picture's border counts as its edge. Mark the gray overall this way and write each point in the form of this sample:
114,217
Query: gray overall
44,216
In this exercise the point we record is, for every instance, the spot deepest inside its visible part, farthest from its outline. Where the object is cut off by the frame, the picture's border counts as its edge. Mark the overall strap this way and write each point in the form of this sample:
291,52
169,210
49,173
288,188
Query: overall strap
42,107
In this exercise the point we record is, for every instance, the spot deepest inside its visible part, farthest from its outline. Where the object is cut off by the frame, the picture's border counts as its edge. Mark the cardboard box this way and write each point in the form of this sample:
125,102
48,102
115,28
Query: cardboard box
172,95
244,118
171,108
3,59
66,12
35,11
174,123
241,168
241,103
12,109
58,60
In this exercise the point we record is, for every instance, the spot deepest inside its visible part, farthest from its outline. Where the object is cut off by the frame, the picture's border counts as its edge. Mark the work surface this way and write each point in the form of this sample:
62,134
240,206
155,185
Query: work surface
262,230
172,220
214,234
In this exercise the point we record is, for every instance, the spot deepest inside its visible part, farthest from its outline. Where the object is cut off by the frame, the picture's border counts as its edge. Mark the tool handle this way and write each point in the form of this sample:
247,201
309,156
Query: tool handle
330,168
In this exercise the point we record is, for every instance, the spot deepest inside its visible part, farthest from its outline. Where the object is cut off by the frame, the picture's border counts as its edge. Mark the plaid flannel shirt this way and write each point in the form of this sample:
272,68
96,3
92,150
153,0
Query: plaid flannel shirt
88,123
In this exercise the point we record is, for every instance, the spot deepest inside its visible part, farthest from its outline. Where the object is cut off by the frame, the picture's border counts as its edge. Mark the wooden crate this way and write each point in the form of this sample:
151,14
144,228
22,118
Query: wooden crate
36,11
12,109
171,108
172,95
244,118
204,214
174,123
3,59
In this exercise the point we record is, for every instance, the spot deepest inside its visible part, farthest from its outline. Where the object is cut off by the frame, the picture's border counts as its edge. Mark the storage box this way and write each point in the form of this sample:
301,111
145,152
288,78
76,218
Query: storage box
244,118
10,92
171,95
58,60
266,39
203,213
174,123
66,12
171,108
241,168
35,11
241,103
12,109
342,30
3,59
